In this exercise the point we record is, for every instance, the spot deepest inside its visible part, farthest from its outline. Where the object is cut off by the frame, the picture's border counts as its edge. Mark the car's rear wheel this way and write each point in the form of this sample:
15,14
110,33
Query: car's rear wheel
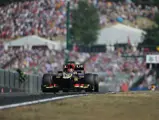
96,83
89,79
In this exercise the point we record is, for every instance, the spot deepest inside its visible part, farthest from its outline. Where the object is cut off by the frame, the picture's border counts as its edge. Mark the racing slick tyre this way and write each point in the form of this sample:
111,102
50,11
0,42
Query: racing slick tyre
89,79
96,83
44,91
55,90
46,80
66,90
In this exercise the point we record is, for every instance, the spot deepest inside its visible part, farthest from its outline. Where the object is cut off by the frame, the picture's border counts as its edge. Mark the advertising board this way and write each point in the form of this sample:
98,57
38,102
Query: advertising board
152,59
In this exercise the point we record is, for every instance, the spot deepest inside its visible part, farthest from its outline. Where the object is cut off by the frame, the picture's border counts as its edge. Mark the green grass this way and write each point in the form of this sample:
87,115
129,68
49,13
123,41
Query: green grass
122,106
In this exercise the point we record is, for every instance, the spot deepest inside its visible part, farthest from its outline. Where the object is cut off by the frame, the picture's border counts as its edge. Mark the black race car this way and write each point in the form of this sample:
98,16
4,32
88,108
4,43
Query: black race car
72,78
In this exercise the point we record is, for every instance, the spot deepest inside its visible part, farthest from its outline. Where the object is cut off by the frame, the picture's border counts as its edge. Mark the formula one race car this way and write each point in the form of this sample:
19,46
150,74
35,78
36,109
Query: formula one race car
72,78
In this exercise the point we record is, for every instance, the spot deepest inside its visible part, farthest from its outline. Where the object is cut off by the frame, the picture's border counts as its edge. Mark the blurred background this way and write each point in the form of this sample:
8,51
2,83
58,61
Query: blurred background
111,37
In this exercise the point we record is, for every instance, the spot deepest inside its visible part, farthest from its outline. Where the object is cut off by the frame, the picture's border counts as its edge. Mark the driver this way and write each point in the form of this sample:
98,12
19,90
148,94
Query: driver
71,68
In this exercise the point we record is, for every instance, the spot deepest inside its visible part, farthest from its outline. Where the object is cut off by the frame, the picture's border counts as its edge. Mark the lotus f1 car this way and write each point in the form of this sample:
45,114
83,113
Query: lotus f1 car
72,78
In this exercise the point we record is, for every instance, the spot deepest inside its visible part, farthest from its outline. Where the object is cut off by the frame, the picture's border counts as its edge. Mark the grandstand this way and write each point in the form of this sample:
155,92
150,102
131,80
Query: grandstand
46,18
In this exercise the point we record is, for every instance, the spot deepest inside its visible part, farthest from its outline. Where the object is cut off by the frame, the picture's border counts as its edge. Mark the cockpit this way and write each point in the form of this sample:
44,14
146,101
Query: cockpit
71,67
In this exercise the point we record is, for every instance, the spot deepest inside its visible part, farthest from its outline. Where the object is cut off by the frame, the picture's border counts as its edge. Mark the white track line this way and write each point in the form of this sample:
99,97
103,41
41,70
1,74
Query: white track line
39,101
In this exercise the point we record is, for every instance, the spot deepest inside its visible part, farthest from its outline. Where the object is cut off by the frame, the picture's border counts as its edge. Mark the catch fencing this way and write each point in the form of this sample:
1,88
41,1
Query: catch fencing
10,80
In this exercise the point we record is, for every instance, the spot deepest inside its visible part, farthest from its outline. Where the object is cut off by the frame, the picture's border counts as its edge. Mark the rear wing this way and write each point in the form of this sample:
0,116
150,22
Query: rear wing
74,66
79,67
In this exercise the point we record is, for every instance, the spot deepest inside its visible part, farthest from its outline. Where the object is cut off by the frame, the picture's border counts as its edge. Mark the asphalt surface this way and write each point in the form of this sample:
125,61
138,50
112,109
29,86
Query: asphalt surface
7,90
13,98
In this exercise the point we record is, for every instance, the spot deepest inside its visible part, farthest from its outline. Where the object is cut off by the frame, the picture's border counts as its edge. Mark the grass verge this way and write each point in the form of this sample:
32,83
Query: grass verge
122,106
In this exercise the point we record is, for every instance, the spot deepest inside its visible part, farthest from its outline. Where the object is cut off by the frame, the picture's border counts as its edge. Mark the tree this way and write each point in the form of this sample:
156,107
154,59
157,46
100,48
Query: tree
152,34
85,23
156,2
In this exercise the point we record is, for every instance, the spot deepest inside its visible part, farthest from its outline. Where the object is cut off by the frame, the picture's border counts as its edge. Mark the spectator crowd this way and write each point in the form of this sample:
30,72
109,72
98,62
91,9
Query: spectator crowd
38,60
119,69
111,63
47,18
110,12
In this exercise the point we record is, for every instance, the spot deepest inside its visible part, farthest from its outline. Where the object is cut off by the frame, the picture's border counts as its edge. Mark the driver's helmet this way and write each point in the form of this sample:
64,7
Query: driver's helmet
71,67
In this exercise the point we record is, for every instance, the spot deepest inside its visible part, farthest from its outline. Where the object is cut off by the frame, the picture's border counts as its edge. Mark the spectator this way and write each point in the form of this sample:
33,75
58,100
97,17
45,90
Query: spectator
46,18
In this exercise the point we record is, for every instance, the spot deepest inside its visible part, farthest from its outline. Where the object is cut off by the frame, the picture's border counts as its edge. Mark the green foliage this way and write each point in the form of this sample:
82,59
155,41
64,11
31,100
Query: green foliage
156,2
152,36
22,76
85,23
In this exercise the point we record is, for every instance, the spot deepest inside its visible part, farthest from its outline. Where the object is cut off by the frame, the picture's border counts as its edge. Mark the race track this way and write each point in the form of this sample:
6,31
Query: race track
17,97
14,98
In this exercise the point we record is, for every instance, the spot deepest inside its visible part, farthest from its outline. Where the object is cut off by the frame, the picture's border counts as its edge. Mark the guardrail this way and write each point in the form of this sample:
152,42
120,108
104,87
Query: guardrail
9,79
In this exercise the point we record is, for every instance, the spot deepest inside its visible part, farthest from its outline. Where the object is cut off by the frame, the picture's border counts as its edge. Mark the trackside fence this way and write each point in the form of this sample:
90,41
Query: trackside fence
10,79
32,84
